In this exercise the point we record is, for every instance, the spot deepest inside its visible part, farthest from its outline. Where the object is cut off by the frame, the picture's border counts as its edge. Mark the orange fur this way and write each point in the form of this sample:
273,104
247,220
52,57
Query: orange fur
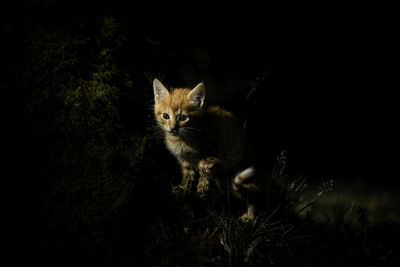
208,142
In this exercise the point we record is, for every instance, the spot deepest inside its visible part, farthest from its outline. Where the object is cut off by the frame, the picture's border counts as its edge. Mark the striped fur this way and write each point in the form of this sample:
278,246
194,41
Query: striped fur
209,144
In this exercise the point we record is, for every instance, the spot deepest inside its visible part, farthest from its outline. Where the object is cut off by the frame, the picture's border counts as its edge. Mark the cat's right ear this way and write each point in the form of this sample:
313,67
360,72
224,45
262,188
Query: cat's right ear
198,94
160,92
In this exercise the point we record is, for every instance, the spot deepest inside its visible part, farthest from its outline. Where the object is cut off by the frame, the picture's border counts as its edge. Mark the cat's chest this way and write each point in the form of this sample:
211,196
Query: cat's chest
180,149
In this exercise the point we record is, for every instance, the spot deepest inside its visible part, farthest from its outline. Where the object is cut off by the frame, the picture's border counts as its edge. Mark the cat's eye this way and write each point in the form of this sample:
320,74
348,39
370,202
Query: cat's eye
182,117
165,116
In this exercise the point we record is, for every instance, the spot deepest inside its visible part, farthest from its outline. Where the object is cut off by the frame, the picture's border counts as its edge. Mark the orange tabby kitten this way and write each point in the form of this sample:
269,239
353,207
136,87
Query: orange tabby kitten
208,142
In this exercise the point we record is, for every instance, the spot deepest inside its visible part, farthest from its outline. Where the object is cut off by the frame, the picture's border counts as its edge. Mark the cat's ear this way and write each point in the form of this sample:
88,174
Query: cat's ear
198,94
160,92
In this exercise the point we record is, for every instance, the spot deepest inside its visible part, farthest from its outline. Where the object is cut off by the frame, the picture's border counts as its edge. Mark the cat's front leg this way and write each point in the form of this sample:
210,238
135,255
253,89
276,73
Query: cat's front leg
248,216
206,169
188,177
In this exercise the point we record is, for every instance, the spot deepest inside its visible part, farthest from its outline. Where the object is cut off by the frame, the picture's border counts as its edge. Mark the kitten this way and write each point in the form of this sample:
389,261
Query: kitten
208,142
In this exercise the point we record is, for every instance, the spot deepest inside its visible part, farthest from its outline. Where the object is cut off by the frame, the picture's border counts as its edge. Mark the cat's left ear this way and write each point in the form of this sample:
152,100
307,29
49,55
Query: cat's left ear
198,94
160,92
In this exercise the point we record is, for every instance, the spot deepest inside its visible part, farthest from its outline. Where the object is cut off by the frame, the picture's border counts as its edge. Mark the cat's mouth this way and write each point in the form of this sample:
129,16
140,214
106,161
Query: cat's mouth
173,132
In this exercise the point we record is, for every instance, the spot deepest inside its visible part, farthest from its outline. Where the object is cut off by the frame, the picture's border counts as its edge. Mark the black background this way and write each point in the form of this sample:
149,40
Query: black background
328,95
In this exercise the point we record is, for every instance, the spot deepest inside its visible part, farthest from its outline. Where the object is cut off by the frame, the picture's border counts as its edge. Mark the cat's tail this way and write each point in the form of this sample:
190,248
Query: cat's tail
241,177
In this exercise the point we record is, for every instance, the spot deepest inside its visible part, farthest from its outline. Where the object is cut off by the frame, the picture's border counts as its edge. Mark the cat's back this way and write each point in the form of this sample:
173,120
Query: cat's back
226,128
221,119
232,141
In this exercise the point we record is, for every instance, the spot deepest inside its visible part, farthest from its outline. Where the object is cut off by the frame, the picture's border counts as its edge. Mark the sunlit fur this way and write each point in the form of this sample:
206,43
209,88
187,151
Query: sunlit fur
209,144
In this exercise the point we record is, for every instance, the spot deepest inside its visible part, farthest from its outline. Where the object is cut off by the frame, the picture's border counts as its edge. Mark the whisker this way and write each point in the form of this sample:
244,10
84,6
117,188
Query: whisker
189,135
156,132
185,135
190,131
192,128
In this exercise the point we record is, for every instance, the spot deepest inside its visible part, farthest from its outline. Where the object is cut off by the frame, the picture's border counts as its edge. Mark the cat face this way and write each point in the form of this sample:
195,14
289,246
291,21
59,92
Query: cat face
177,111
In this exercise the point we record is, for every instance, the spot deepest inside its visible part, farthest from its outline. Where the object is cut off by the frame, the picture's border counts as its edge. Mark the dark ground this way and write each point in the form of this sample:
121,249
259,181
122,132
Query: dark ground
91,186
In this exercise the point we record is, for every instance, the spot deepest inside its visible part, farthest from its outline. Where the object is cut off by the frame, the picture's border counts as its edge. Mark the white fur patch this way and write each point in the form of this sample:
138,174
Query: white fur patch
243,175
177,148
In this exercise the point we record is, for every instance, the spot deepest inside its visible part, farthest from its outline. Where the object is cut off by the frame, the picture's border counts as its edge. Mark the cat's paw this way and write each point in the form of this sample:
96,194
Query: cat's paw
179,190
247,217
203,187
203,195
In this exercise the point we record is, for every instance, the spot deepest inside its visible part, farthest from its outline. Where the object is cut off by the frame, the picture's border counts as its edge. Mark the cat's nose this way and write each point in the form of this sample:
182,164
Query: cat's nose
174,130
